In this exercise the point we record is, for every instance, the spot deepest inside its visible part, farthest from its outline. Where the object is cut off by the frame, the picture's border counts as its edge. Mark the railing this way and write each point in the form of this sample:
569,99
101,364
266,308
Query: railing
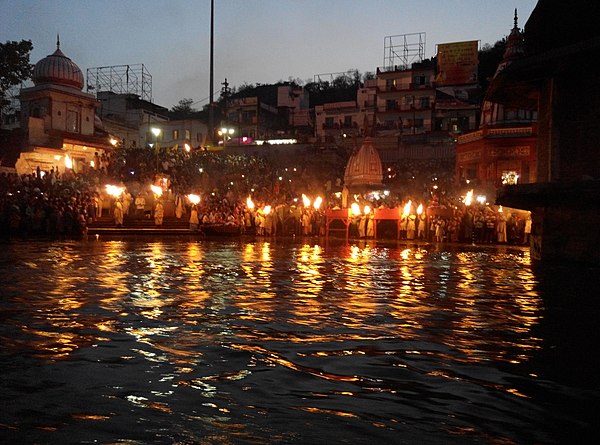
495,132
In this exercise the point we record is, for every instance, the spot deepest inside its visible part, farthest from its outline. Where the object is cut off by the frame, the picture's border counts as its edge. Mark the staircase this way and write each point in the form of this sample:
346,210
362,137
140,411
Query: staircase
132,225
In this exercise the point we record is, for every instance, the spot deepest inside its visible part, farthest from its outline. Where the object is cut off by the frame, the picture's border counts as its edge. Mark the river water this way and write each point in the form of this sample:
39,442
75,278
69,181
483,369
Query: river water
185,341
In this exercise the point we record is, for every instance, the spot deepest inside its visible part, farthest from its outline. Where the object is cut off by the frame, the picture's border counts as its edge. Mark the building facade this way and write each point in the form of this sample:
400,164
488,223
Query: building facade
405,99
341,122
58,125
503,150
130,118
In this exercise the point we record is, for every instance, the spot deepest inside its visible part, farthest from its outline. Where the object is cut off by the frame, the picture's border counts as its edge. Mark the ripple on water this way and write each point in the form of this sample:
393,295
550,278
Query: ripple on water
253,342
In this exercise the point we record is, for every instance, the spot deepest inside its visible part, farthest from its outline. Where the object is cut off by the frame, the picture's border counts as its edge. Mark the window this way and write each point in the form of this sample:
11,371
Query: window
328,122
187,134
72,121
420,80
175,135
347,121
424,102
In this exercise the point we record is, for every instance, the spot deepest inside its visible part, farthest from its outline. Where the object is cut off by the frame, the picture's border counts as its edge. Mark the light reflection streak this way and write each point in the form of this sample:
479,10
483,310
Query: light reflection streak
308,264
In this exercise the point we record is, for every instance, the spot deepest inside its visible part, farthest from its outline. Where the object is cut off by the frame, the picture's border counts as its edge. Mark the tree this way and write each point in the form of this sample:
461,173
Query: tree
14,65
184,106
489,59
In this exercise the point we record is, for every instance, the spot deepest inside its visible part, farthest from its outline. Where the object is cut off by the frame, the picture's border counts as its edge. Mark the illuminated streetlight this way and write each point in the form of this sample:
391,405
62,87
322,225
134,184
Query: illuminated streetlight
225,133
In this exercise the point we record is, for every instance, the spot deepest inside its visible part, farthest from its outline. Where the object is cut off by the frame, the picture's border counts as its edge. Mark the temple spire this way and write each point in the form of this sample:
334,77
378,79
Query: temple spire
57,41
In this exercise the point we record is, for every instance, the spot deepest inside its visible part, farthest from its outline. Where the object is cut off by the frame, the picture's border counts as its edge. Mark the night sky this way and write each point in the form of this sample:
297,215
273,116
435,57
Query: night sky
262,41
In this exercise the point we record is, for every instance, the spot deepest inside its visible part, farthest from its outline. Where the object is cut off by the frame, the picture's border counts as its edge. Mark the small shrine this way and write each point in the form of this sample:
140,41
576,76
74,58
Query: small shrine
364,170
363,173
59,126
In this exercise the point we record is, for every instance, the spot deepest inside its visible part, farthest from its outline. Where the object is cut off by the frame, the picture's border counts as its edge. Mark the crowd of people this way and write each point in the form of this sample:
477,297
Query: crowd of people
48,205
246,194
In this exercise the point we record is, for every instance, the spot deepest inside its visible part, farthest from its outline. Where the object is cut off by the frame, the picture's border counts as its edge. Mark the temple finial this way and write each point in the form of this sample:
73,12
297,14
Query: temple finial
57,41
516,19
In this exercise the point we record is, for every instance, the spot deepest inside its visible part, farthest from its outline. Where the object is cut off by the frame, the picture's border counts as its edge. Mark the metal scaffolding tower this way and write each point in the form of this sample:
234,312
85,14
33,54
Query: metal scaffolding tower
403,50
120,79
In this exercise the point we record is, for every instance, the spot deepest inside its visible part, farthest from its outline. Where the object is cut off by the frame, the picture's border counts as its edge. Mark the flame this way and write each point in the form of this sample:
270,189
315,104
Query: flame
194,199
420,209
406,210
249,203
355,209
469,197
68,162
305,200
114,190
318,202
267,209
156,190
367,210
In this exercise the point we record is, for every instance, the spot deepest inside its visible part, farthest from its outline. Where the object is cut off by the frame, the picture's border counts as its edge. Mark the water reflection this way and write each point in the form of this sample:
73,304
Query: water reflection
197,339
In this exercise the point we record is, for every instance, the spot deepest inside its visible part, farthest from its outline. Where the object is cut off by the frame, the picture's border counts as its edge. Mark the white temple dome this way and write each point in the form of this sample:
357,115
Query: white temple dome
364,167
58,69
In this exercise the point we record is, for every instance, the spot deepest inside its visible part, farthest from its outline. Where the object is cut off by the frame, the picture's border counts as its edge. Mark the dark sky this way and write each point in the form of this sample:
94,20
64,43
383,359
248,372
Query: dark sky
260,41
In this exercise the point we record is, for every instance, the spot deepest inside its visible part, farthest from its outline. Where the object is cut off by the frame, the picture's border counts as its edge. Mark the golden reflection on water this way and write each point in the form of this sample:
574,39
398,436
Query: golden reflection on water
214,325
308,264
360,291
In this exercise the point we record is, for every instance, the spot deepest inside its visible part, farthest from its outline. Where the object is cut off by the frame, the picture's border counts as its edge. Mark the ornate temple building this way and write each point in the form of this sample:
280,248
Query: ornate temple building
59,128
554,79
503,150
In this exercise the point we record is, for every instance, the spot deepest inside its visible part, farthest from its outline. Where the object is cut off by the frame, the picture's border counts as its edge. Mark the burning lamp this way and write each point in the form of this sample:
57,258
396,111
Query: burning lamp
194,199
156,190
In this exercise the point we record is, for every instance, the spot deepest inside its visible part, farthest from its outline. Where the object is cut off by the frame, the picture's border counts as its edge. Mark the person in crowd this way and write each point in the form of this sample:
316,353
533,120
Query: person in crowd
118,213
194,221
127,199
527,229
159,213
501,227
140,206
411,227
